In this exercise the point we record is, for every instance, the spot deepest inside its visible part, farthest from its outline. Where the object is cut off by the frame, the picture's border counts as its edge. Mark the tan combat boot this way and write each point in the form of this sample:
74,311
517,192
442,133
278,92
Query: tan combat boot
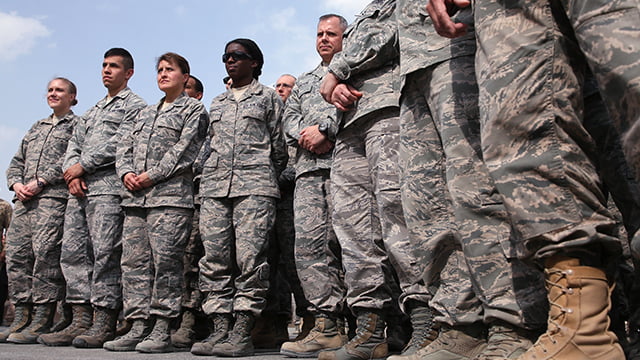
21,320
102,330
578,324
140,328
159,340
238,343
185,336
323,336
369,342
221,327
80,322
40,324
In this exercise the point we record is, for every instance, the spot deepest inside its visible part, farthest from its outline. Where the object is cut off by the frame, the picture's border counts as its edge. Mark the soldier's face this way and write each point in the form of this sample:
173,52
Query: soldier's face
240,68
114,76
190,89
329,38
284,85
170,77
58,96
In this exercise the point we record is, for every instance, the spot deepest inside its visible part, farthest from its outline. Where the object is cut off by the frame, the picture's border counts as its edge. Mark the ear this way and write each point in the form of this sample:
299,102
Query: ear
254,64
128,74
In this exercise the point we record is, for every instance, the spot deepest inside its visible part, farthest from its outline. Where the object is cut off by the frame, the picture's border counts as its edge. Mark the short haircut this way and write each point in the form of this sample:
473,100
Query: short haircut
343,22
70,86
127,59
294,78
176,59
253,50
198,84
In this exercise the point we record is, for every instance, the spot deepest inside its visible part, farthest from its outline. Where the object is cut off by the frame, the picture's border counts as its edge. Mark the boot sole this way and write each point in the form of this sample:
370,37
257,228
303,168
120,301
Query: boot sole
309,354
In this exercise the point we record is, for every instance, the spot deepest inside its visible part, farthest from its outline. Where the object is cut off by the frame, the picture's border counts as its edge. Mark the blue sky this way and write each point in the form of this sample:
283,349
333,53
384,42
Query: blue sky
41,40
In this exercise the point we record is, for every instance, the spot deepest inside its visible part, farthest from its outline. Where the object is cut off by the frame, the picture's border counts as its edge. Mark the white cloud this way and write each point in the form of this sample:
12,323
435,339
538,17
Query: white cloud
346,8
19,35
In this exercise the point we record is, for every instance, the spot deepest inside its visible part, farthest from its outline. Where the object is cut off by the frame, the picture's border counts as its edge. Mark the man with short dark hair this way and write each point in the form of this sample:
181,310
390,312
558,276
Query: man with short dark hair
91,245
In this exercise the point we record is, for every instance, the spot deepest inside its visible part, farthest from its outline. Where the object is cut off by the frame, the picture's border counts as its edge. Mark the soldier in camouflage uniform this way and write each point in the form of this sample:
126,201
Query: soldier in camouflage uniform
91,245
309,120
192,322
5,219
530,68
33,238
239,189
154,161
368,217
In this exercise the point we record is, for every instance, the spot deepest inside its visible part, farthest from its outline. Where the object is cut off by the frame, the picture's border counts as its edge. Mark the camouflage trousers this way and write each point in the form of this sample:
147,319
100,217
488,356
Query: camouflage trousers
533,141
91,251
452,206
283,279
367,214
153,245
193,252
33,251
317,252
234,273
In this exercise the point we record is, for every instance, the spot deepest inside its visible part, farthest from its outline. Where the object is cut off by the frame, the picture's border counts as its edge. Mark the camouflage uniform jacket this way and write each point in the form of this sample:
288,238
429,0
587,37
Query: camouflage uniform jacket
41,154
305,107
248,151
378,77
164,144
386,31
95,139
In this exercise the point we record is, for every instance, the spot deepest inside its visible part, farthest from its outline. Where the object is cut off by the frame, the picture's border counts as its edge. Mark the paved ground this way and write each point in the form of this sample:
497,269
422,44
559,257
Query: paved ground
41,352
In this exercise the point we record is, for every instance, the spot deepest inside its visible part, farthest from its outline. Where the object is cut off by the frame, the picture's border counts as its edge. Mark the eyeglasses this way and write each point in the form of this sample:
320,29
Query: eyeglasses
236,55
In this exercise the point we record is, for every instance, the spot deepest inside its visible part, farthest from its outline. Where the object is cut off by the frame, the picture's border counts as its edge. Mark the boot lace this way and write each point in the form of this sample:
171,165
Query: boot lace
557,312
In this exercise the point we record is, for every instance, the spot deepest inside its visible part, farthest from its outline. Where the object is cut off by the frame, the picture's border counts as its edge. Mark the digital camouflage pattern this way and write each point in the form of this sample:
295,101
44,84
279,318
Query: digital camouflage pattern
239,189
537,150
248,151
234,273
306,107
95,140
5,219
41,153
152,253
77,253
164,143
317,252
33,238
97,226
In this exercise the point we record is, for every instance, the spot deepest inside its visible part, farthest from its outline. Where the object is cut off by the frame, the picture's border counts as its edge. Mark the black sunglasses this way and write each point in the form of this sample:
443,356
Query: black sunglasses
236,55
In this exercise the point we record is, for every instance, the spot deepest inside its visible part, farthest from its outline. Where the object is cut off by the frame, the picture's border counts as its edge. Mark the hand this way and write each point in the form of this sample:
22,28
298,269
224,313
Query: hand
23,193
130,181
75,171
344,96
144,181
329,82
440,12
311,137
33,187
77,187
323,147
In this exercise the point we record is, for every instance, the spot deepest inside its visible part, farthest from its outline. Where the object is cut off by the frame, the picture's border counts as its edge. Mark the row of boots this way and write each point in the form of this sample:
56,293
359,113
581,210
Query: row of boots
83,327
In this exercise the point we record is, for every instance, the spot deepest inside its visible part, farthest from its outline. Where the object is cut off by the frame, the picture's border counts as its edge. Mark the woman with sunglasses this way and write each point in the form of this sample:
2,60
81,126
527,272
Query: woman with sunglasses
35,234
154,161
239,189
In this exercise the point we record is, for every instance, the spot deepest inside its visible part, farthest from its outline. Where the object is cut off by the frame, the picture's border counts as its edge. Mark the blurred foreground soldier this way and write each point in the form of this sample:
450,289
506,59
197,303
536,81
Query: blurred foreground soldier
154,161
33,239
310,121
239,190
193,325
536,148
92,241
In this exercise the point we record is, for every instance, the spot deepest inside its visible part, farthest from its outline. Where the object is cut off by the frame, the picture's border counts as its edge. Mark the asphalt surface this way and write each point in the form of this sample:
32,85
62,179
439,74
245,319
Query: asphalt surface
40,352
